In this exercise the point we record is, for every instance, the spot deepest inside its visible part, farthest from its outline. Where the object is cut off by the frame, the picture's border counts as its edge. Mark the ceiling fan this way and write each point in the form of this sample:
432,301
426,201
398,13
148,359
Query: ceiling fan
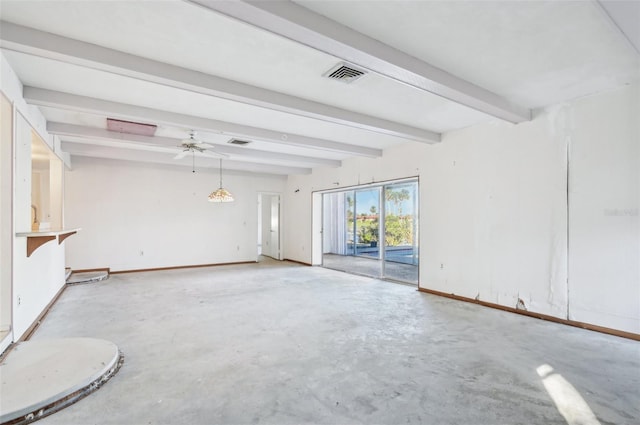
193,145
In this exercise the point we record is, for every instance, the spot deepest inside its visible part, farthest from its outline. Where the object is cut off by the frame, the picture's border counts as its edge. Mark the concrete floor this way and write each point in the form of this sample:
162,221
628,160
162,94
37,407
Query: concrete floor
44,375
285,344
371,267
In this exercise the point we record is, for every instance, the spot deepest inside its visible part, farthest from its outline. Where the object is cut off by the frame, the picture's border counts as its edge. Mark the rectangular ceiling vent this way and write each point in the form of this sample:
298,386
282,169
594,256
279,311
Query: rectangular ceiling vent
239,142
130,127
344,72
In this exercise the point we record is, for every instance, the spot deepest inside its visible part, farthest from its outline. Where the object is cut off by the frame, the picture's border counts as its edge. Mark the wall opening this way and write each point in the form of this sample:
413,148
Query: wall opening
269,229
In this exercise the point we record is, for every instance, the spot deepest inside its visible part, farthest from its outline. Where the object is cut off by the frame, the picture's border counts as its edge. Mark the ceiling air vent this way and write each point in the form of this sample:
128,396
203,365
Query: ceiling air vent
130,127
344,72
239,142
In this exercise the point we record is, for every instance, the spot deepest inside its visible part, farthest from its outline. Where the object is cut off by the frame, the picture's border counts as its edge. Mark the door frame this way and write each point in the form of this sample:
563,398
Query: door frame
318,221
280,221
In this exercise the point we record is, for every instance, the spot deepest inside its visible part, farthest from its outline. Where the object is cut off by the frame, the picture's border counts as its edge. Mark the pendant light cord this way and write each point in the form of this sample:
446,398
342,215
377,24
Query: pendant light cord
220,172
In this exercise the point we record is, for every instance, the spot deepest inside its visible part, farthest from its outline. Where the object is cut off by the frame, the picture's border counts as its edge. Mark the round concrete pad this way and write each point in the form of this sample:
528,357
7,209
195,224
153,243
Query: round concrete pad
41,377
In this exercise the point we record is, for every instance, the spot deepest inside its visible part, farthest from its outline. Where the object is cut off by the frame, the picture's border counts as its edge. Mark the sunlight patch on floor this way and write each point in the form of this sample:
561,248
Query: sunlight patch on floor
567,399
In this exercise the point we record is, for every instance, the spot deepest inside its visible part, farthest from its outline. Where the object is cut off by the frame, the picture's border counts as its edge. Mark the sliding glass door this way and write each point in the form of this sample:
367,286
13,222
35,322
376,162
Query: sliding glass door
373,231
401,231
367,222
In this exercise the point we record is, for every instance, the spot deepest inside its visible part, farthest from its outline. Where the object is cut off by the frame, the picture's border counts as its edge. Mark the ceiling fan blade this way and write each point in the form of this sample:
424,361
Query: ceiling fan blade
181,155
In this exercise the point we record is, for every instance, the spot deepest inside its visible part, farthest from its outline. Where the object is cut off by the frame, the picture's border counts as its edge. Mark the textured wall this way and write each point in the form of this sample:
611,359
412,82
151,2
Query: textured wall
495,214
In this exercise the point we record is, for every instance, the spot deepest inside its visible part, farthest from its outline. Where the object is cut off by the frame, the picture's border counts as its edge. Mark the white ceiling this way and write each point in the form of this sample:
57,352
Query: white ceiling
530,54
534,53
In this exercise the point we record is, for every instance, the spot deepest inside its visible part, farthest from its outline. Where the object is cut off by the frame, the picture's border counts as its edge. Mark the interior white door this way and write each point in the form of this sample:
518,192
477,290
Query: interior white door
274,227
265,225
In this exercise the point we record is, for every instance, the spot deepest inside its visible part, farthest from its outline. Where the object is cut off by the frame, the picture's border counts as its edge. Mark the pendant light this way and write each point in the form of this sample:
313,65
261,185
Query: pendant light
222,194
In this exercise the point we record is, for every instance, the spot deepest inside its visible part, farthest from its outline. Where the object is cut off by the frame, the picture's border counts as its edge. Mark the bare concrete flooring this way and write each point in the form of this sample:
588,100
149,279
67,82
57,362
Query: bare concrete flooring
372,267
285,344
41,376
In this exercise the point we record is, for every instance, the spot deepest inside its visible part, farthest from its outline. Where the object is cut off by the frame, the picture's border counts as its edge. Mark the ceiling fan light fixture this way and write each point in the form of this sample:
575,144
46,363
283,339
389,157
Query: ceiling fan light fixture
221,194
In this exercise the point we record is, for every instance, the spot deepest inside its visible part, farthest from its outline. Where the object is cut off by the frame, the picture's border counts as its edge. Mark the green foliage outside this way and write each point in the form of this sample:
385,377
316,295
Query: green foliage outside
367,229
399,230
399,227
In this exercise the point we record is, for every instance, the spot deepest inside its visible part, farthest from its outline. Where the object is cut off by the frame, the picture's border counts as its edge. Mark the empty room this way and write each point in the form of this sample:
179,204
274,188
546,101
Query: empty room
319,212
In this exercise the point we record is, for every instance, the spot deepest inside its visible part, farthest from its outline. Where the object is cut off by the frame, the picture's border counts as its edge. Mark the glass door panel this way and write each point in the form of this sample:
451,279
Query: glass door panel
367,222
350,225
338,227
401,233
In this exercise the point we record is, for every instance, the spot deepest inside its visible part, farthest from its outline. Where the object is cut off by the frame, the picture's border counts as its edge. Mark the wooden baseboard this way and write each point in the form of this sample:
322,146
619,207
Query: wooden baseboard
100,269
193,266
298,262
36,323
588,326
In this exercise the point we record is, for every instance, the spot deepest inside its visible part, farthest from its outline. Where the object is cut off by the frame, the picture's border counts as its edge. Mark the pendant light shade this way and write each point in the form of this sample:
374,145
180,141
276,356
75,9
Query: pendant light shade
221,194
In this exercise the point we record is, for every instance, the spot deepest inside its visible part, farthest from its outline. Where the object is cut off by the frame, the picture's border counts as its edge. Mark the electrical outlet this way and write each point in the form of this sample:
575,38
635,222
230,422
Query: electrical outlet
19,300
441,266
141,253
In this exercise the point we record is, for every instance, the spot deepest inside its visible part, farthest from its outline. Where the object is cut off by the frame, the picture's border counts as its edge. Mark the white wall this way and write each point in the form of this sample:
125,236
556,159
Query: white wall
493,209
6,218
38,278
137,216
604,248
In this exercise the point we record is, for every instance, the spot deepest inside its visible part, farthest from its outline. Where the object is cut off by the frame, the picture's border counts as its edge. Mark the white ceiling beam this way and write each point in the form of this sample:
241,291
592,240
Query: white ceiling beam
51,46
60,100
64,130
144,155
304,26
247,152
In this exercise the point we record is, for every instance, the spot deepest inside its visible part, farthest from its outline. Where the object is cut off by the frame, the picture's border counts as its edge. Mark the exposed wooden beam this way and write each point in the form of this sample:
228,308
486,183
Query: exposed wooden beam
55,99
64,130
304,26
43,44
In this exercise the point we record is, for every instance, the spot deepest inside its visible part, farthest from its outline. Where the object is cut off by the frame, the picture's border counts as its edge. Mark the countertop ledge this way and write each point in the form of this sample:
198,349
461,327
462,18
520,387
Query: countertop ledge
52,232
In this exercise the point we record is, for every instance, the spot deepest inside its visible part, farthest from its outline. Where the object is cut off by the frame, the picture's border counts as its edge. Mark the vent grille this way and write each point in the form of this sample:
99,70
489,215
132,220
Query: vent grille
239,142
130,127
344,72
